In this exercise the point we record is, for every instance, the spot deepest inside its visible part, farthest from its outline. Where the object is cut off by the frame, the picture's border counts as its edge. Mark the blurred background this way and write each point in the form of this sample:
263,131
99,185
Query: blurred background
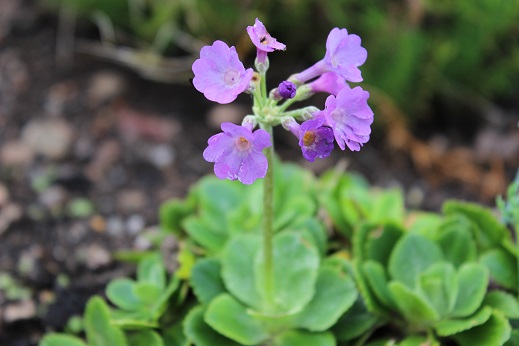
99,123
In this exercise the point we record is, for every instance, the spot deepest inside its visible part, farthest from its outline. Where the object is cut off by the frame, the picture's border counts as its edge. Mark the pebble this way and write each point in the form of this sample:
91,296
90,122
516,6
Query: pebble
16,153
103,86
135,224
161,156
22,310
4,195
51,138
53,197
98,223
130,201
114,226
59,95
10,213
97,257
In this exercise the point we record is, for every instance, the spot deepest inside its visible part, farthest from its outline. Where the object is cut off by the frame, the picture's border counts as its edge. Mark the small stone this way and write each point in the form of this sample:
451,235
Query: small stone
53,197
22,310
77,231
135,224
97,257
105,85
51,138
161,156
98,223
59,95
114,226
130,201
16,153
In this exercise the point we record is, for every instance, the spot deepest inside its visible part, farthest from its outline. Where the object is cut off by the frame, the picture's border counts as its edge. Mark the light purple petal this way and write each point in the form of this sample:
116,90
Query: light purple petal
344,54
262,39
261,139
329,82
254,166
217,144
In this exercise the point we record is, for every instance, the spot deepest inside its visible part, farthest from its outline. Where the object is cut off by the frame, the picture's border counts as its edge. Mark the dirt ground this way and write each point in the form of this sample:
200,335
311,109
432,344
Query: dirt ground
88,151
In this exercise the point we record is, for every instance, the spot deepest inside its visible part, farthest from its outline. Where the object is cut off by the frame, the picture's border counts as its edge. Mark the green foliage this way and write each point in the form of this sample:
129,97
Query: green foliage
424,276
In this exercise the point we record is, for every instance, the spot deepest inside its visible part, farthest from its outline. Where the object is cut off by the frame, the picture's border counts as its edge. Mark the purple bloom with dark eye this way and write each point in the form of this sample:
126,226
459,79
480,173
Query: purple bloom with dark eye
315,139
263,41
344,55
350,117
219,73
287,90
237,153
329,82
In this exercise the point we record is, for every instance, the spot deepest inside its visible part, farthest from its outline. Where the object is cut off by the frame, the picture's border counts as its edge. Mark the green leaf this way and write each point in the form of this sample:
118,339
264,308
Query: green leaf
335,293
381,241
296,263
413,307
439,284
355,322
206,280
456,240
494,332
502,267
146,292
161,304
473,282
200,333
230,318
98,329
372,303
418,340
313,231
412,255
151,270
388,207
201,233
121,293
300,337
503,301
55,339
490,232
378,282
514,338
145,338
237,269
171,214
455,326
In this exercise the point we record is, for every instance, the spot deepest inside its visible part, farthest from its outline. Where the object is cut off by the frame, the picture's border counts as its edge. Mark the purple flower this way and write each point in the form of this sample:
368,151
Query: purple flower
263,41
315,139
343,56
329,82
350,117
287,90
219,73
237,153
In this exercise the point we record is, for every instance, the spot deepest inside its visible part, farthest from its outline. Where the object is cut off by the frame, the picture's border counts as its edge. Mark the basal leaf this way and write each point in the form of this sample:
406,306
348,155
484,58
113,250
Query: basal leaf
381,241
145,337
313,231
98,329
335,293
200,333
411,256
355,322
296,263
55,339
473,282
372,302
378,282
146,292
514,338
230,318
455,326
206,280
495,332
439,284
171,214
456,240
418,340
502,267
490,232
151,270
388,208
202,234
120,292
504,302
412,306
238,267
300,338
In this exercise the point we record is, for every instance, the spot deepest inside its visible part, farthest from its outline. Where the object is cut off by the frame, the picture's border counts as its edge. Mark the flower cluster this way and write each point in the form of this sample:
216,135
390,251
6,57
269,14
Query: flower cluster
237,152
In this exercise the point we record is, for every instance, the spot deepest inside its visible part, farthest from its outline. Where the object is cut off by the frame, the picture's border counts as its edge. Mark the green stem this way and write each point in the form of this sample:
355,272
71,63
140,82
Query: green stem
263,86
268,220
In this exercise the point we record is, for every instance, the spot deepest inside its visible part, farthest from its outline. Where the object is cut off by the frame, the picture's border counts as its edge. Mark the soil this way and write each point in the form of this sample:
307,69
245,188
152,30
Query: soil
89,151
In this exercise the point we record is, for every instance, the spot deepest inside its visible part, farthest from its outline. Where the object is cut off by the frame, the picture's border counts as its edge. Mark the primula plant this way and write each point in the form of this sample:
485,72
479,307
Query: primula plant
271,255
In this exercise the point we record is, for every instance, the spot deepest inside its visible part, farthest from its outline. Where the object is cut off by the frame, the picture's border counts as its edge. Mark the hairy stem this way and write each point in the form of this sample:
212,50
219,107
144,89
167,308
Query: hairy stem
268,220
